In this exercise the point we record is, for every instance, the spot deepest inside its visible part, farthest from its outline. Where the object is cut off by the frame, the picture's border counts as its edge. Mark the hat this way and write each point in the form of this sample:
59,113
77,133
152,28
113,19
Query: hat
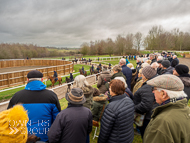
13,125
182,69
168,82
75,96
174,63
159,61
96,92
150,71
166,63
121,79
34,74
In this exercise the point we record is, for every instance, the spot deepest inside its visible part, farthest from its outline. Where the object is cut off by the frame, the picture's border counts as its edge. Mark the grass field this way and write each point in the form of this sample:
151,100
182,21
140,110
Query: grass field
115,62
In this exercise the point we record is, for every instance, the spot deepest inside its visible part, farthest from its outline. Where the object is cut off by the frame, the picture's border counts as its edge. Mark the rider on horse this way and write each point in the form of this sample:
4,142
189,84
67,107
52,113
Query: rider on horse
55,76
98,69
109,65
92,67
82,58
71,77
83,69
100,65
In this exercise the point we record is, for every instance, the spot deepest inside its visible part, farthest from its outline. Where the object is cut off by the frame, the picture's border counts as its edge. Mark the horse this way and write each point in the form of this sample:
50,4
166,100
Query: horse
85,73
52,79
94,72
68,80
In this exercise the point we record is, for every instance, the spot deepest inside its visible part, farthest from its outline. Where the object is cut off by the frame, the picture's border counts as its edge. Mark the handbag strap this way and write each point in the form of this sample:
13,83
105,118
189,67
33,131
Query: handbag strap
101,112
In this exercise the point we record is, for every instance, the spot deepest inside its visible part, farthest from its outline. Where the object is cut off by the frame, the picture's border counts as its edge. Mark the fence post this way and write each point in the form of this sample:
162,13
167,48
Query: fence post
8,80
24,77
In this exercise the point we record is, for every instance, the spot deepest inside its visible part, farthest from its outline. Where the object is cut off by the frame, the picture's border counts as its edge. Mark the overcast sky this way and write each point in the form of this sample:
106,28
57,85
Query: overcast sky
69,23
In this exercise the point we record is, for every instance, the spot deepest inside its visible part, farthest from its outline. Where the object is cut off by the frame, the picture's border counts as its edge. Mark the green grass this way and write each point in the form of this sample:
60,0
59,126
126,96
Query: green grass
8,94
64,103
115,62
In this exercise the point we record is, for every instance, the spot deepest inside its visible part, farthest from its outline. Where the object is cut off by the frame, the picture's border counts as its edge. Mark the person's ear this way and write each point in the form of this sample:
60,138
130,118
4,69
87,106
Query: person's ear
42,79
27,80
164,94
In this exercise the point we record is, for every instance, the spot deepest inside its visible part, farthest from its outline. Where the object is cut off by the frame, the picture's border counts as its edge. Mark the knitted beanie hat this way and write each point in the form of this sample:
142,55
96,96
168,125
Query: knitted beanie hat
13,125
150,71
174,63
166,63
168,82
160,61
182,69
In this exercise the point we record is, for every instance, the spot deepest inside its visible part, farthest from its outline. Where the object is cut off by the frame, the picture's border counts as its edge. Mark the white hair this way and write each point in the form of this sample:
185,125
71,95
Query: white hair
175,56
160,58
121,79
138,59
81,81
145,59
144,65
123,61
174,94
30,79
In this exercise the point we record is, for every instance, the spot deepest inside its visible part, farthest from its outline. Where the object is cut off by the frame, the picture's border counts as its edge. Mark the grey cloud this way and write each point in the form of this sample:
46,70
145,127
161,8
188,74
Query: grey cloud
71,22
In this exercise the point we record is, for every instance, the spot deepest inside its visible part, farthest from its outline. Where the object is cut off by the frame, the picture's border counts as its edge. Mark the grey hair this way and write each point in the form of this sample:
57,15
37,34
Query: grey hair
81,81
121,79
138,59
152,55
123,61
175,56
30,79
174,94
160,58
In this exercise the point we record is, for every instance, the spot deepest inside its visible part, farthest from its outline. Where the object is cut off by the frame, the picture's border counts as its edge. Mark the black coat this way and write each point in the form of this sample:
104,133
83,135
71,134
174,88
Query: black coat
186,82
153,60
117,121
71,125
128,74
144,100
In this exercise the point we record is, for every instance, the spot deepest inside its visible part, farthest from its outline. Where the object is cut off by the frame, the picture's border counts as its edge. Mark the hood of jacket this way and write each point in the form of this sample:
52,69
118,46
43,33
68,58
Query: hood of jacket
119,74
186,81
105,72
100,98
35,85
170,68
87,90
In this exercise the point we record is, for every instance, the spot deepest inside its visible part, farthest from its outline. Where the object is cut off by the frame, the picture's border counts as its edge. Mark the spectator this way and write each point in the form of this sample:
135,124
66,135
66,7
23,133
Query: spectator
96,92
166,67
13,125
139,82
170,121
86,88
149,62
127,72
144,65
99,102
159,58
117,120
127,61
41,104
175,58
104,77
138,61
134,75
182,72
174,63
73,124
143,97
127,90
159,70
145,59
152,58
117,72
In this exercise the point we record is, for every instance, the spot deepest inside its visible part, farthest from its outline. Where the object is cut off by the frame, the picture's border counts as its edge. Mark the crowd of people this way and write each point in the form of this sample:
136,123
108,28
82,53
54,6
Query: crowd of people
152,95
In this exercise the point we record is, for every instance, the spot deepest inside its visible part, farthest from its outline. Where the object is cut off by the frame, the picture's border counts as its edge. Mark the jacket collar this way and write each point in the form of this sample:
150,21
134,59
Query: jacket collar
74,105
123,66
35,85
179,104
100,98
118,97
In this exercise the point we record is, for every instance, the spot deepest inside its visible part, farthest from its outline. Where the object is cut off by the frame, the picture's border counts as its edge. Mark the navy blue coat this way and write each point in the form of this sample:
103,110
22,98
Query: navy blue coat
117,121
128,74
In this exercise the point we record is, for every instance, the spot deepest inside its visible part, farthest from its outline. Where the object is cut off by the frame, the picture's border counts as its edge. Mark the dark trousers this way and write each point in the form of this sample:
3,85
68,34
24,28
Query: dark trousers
142,129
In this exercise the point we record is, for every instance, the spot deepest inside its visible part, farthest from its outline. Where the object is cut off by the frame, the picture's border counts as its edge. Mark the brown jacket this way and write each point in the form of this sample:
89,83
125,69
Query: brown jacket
101,85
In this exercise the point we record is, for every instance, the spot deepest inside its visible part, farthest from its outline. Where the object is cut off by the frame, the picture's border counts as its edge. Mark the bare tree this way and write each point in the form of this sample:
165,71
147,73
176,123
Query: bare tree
138,39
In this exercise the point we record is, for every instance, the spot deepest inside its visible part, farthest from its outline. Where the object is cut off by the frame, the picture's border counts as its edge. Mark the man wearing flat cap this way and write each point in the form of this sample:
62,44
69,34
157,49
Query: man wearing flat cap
73,124
42,105
170,121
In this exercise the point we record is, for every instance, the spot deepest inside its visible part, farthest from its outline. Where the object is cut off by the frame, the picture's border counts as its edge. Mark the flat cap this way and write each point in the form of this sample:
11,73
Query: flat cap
34,74
168,82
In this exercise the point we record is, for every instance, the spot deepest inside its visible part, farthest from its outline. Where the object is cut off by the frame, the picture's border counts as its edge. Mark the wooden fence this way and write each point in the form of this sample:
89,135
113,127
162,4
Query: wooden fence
10,79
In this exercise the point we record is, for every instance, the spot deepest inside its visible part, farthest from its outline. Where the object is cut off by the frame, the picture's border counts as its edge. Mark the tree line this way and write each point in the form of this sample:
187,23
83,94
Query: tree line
156,39
22,51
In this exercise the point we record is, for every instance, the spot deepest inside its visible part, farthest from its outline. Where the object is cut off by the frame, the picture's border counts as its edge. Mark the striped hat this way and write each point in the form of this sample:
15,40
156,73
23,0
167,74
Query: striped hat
168,82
